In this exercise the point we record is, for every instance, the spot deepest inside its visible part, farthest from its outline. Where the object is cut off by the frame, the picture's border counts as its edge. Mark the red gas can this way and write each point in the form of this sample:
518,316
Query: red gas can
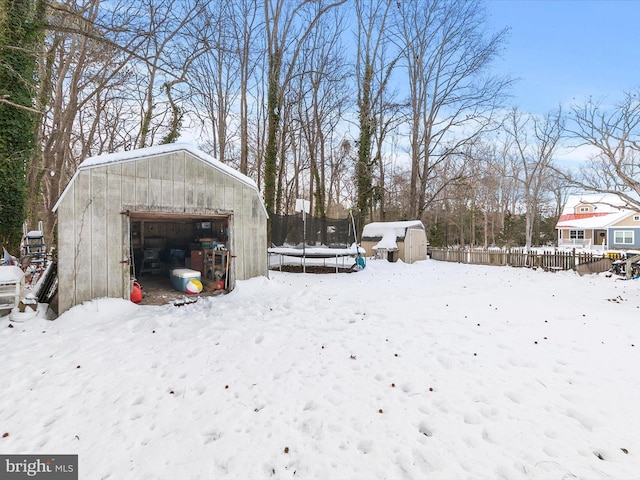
136,293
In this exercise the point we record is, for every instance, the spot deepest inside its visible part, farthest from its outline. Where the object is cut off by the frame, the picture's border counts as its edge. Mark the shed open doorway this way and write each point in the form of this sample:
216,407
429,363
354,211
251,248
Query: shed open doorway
162,242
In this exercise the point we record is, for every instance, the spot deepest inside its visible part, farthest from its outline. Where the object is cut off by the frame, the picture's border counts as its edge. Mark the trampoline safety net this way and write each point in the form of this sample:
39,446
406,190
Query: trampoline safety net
287,230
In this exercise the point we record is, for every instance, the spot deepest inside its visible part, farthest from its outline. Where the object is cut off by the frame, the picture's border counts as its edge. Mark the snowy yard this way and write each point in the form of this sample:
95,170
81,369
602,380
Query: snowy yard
432,370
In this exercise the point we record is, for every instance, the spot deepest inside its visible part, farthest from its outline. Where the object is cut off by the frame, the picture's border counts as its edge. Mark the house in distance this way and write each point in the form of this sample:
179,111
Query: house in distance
598,221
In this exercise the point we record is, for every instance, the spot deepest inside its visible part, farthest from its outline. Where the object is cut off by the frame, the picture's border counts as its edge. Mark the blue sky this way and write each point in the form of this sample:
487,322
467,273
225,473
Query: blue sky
565,50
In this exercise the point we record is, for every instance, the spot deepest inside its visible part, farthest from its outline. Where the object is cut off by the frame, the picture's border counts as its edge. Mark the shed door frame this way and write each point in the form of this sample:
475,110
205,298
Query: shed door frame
140,215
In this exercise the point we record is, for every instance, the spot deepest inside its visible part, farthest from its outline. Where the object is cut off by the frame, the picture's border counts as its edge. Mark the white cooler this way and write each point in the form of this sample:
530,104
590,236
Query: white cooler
180,278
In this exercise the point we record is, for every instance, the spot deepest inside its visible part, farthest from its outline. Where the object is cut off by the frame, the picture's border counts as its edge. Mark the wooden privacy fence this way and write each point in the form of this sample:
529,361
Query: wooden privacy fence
583,262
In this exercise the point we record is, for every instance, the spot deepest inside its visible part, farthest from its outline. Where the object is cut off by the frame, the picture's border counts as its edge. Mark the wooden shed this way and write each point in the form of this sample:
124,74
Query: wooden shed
144,212
406,240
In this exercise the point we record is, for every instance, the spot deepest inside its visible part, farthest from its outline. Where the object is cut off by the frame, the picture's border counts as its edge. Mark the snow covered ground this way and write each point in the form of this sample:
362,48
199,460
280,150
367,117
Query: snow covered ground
432,370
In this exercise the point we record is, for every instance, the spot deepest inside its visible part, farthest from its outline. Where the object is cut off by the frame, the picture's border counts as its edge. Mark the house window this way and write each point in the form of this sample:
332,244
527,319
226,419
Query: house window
584,209
636,218
576,234
623,237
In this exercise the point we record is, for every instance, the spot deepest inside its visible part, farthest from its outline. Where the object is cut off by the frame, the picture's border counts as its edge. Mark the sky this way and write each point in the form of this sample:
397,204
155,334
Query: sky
564,51
432,370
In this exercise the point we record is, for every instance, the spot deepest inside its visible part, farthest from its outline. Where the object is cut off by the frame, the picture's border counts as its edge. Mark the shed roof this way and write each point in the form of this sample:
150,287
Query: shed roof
154,151
381,229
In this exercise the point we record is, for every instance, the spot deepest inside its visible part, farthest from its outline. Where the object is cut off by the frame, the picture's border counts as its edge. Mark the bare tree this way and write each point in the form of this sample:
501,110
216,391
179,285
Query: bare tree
96,65
452,98
219,79
80,95
483,187
172,45
535,141
212,78
322,102
374,67
246,32
614,134
340,175
459,189
287,27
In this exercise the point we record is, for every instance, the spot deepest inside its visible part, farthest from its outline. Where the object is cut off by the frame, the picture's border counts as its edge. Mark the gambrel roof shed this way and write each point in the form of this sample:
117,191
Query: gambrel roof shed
171,190
407,238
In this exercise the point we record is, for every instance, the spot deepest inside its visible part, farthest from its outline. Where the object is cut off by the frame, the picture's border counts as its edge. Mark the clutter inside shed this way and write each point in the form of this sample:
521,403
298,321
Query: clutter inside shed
160,245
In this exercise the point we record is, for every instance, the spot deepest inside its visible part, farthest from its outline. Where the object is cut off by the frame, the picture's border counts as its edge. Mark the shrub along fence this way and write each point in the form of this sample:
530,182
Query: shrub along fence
582,262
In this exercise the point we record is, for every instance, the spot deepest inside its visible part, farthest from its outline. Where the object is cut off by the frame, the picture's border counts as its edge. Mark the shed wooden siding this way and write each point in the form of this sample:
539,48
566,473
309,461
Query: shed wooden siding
401,249
93,237
90,236
369,244
368,247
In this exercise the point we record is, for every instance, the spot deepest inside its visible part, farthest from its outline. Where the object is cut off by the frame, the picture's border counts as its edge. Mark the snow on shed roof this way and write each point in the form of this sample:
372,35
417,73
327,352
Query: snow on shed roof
156,150
388,242
380,229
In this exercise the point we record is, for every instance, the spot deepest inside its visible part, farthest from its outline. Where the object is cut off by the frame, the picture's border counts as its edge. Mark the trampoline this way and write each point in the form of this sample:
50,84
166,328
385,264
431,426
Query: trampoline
279,256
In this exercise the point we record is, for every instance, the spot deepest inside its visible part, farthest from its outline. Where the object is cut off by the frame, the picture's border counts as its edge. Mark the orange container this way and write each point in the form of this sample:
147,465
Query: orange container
136,293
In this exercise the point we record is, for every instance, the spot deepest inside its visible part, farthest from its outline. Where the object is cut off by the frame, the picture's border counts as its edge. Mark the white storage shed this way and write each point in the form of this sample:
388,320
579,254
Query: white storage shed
404,240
